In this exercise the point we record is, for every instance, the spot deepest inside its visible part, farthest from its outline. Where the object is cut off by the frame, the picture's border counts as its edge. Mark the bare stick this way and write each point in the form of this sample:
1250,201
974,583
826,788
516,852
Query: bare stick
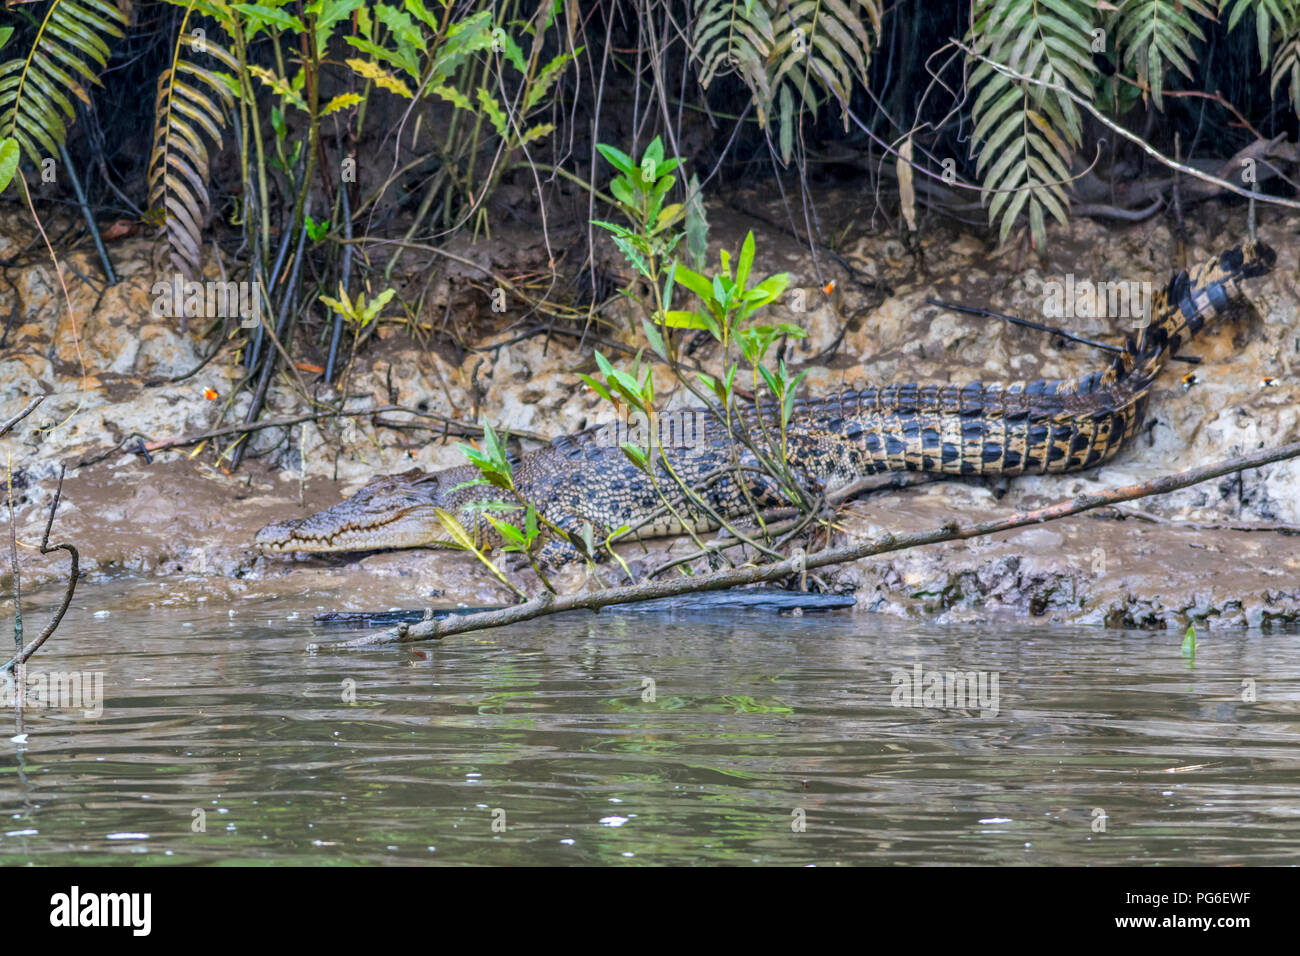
1030,324
31,407
466,428
1027,323
548,603
13,530
73,572
13,558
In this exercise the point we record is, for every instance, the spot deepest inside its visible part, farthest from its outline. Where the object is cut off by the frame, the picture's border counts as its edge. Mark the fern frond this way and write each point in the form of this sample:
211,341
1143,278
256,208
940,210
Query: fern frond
1027,133
1272,18
1286,65
796,54
188,112
734,36
1153,35
69,50
1277,27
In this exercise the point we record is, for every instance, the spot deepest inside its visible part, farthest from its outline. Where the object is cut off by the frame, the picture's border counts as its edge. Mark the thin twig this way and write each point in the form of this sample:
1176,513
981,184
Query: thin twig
467,427
31,407
1030,324
89,216
13,559
74,571
1027,323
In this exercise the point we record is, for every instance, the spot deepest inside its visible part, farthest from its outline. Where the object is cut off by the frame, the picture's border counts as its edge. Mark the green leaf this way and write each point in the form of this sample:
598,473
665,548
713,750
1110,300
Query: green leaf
769,290
340,102
402,27
8,161
546,78
651,333
462,538
455,529
623,191
380,76
693,281
746,260
328,13
633,255
637,455
372,308
510,49
679,319
453,96
536,132
596,387
316,231
1026,134
654,153
421,12
792,390
280,85
259,16
619,160
697,223
507,531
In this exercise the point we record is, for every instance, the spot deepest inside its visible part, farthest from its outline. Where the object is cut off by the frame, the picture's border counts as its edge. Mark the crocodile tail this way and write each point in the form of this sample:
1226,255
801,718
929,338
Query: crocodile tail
1182,308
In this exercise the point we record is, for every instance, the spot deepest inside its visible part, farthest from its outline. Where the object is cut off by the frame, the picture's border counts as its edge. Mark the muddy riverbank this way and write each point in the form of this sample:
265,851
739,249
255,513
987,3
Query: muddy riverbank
1222,553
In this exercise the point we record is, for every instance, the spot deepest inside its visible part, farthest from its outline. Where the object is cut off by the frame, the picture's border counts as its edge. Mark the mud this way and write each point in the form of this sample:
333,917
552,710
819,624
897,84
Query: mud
1223,553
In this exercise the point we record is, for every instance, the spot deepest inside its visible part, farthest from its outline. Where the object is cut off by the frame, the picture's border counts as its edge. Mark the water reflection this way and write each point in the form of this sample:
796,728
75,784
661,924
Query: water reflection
700,738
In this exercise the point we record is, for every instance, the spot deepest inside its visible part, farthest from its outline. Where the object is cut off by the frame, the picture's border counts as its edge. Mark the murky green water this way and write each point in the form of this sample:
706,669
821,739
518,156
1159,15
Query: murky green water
764,739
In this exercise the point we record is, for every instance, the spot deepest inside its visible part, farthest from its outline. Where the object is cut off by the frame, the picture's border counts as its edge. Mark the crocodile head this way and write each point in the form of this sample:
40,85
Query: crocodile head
396,511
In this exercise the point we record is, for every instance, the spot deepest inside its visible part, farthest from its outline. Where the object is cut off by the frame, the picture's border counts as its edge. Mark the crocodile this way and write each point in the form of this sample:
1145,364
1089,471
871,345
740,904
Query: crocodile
586,486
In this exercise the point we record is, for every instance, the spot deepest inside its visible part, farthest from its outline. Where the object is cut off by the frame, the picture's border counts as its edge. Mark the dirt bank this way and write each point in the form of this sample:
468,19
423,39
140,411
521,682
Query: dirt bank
1223,553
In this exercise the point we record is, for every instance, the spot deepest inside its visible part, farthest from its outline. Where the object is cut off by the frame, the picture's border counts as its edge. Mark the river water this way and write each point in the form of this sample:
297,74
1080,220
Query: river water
661,738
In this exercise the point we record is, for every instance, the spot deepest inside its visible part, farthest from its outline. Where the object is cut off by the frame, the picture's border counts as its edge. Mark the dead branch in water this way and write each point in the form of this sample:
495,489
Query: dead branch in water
16,571
548,603
23,653
13,530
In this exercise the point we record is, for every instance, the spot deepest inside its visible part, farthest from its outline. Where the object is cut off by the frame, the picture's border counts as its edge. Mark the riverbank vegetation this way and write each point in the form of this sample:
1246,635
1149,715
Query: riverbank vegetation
337,158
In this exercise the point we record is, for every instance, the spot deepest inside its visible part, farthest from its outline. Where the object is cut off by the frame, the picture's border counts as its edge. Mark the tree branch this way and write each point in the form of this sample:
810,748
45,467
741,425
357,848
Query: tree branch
1137,140
466,429
31,407
548,603
23,654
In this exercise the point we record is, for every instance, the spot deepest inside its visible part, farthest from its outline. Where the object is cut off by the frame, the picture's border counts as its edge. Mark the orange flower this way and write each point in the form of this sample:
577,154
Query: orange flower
210,394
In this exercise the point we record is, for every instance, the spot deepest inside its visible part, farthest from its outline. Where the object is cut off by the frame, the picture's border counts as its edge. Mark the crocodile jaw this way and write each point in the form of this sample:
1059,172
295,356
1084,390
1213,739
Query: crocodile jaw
395,511
414,528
